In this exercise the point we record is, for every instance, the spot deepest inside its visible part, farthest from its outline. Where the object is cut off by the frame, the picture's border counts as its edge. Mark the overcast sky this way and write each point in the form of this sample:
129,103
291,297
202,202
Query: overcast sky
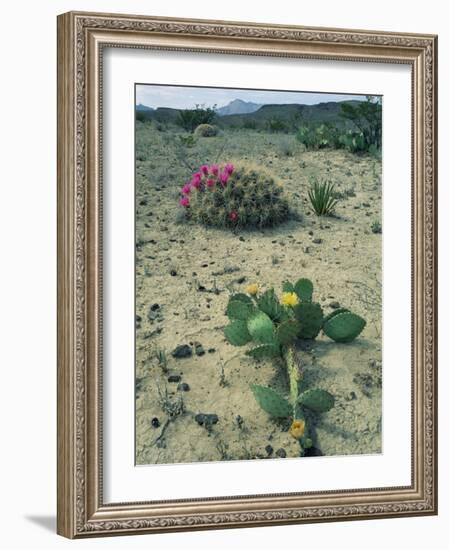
186,97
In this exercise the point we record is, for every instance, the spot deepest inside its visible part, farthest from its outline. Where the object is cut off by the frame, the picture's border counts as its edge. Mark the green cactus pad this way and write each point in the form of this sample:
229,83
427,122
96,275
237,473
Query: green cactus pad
241,298
269,304
310,317
287,286
267,351
344,327
239,310
316,400
334,313
271,402
287,331
261,328
304,289
237,333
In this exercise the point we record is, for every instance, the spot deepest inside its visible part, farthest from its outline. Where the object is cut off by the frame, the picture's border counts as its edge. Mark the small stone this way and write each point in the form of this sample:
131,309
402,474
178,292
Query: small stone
334,304
351,396
138,319
242,239
174,378
183,387
206,419
199,350
310,232
155,422
153,315
211,350
269,450
317,240
182,351
372,363
155,307
281,453
306,249
173,273
241,280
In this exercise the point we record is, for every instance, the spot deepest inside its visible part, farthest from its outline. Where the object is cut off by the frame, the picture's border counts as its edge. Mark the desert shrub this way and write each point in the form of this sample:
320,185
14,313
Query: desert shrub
322,197
366,117
319,137
286,146
142,116
277,125
205,130
189,119
354,141
249,124
234,196
376,227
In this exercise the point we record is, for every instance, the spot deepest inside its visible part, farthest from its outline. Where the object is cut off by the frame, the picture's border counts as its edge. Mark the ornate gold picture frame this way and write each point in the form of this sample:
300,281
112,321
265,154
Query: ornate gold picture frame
82,40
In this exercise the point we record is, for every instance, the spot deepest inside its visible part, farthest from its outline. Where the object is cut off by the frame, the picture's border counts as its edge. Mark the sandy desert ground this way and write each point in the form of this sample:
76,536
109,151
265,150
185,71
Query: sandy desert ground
184,275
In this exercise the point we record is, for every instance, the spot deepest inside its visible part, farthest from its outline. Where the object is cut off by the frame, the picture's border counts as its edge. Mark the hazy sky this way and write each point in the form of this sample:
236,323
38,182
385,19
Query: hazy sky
186,97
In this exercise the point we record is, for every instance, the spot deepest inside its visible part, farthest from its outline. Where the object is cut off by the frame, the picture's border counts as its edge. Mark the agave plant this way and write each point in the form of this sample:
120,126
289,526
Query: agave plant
322,197
272,325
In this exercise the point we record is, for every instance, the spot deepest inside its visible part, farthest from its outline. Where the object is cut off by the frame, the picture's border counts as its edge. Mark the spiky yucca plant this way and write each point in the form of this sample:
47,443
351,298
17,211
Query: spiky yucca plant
322,197
239,195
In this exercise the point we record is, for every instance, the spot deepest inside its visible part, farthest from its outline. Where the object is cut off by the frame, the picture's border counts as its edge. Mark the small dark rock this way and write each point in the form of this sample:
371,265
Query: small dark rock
155,307
269,450
334,304
138,319
183,387
310,232
241,280
372,363
211,350
174,378
242,239
317,240
313,451
281,453
155,422
182,351
199,350
306,249
173,273
206,419
351,396
153,315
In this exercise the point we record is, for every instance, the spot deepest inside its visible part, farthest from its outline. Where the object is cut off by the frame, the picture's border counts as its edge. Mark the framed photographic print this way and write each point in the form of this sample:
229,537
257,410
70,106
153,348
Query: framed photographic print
246,274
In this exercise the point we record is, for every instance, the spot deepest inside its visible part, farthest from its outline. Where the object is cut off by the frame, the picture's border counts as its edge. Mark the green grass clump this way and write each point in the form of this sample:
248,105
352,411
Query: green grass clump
322,197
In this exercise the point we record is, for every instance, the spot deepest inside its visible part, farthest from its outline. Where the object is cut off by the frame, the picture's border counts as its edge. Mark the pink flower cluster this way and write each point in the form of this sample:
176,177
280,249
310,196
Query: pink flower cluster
207,177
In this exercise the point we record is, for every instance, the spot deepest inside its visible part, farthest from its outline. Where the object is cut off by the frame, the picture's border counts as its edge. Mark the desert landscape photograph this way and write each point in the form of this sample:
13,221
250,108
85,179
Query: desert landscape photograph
258,276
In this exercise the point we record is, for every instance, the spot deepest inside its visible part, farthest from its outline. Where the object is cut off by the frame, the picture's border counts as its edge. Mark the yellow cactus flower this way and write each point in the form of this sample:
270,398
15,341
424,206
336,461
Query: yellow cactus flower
253,289
297,428
289,299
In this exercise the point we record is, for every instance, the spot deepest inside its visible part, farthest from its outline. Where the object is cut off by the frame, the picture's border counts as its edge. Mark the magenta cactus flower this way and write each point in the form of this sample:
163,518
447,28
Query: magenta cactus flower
229,168
196,183
210,182
184,201
224,176
186,189
233,216
205,169
215,169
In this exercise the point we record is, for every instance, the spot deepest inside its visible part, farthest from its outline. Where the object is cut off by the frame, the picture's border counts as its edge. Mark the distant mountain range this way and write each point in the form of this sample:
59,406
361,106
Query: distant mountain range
238,107
245,114
144,108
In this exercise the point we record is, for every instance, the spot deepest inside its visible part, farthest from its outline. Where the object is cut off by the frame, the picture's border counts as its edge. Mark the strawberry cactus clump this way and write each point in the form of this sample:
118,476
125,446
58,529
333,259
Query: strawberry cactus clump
234,196
274,325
